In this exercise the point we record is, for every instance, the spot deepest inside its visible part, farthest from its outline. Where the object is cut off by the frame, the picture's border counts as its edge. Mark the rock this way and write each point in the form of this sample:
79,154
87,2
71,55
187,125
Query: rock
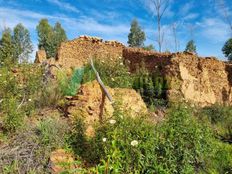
61,161
89,104
40,56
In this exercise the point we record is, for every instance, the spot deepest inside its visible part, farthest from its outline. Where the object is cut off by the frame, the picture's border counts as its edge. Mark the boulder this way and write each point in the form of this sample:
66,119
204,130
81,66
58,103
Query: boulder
93,107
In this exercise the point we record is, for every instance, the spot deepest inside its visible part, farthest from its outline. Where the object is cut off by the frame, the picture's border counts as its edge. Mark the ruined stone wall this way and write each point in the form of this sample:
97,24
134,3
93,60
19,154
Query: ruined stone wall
203,81
77,52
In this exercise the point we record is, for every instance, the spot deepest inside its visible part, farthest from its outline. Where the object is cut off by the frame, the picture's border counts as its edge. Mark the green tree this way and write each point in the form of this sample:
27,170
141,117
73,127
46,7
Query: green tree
149,47
227,49
191,47
136,36
59,36
22,43
6,47
45,34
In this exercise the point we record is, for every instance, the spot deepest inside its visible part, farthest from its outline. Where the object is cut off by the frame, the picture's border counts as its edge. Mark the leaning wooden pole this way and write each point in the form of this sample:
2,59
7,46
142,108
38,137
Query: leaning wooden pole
100,82
105,92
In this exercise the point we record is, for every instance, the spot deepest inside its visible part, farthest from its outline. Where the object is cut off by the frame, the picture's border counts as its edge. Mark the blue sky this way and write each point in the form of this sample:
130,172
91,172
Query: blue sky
110,19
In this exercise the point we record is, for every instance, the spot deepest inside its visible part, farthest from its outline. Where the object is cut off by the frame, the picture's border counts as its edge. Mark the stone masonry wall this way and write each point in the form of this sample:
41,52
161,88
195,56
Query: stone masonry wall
77,52
203,81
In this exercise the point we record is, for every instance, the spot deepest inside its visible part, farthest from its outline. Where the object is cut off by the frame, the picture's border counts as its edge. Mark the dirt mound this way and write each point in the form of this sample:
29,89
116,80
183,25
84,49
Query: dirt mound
90,105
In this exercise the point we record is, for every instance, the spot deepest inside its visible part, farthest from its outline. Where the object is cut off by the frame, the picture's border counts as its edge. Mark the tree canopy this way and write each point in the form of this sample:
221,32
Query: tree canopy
227,49
136,36
49,37
191,47
6,46
22,43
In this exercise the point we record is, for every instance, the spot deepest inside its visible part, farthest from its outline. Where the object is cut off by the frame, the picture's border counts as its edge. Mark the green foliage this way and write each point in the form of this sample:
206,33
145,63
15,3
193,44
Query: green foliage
191,47
49,37
227,49
52,132
59,35
30,149
69,87
13,116
182,143
220,118
136,36
114,75
15,47
149,47
45,35
22,91
6,47
151,86
22,43
221,159
133,145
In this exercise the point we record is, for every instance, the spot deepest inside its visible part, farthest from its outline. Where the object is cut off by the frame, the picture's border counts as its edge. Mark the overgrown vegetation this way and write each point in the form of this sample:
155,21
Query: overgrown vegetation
180,144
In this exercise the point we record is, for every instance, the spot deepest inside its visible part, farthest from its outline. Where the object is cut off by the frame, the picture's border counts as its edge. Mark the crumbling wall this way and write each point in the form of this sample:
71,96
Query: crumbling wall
199,80
77,52
153,61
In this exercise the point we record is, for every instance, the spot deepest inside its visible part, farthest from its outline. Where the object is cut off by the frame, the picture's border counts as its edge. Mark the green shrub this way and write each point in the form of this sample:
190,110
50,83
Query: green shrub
114,74
13,116
220,118
151,86
221,159
28,151
69,86
182,143
133,145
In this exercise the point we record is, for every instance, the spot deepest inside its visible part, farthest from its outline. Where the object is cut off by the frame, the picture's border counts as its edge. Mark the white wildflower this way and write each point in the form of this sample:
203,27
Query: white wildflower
119,57
121,63
186,107
29,100
112,121
112,79
134,143
0,75
104,139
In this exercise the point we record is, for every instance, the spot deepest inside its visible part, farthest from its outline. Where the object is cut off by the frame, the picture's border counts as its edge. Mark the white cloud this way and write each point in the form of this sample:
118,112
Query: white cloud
82,25
191,16
214,29
64,5
186,8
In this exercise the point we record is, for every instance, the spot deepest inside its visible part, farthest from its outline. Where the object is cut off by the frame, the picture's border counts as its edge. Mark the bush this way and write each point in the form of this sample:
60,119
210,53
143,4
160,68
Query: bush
221,159
133,145
220,118
151,86
112,144
13,116
114,74
29,150
182,143
18,84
